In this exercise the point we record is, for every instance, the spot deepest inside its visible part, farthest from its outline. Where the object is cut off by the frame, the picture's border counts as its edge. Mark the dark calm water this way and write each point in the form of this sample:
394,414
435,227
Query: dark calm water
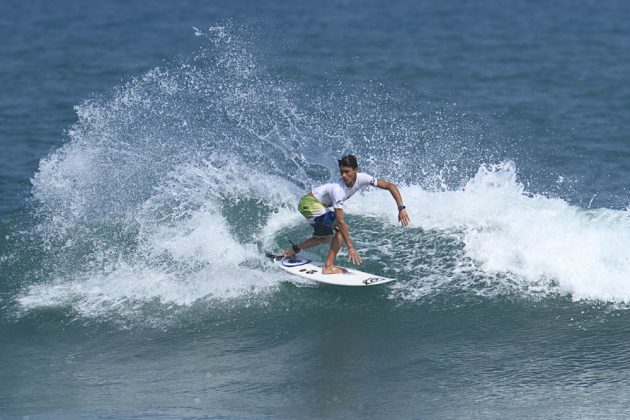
151,151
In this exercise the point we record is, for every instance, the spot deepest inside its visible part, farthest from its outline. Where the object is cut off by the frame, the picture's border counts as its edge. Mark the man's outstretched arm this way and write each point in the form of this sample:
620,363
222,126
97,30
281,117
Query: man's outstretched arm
403,217
353,255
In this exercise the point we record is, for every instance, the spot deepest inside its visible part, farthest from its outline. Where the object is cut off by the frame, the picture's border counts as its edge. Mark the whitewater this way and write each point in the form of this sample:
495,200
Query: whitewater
159,198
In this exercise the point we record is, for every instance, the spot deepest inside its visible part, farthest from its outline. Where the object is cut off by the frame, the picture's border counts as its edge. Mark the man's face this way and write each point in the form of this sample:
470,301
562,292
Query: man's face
349,175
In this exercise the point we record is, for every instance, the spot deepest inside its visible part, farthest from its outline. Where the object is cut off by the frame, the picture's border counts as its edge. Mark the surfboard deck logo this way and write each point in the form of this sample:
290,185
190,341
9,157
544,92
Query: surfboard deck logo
372,280
294,262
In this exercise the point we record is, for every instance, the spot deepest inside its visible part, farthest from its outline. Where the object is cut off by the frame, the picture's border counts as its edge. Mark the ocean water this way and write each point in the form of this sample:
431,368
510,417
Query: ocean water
152,152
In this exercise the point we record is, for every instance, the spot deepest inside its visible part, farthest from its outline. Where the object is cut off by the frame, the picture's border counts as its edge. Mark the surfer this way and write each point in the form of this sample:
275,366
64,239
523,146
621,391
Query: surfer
323,208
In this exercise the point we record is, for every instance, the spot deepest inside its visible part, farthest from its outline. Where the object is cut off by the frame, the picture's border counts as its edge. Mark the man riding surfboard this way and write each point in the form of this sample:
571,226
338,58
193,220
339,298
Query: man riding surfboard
323,208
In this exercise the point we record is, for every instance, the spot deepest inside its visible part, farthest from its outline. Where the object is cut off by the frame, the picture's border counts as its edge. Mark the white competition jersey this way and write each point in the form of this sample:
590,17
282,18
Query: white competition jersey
335,193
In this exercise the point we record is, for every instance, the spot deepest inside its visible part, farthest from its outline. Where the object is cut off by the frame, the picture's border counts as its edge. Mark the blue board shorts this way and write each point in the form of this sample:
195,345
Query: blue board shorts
322,219
324,225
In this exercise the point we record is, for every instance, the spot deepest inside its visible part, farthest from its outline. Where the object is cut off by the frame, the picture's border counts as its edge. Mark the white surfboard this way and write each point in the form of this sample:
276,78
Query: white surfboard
312,270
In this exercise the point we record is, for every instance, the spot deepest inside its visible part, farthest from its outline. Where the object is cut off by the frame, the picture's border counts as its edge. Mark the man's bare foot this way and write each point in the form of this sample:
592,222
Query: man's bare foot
289,253
333,270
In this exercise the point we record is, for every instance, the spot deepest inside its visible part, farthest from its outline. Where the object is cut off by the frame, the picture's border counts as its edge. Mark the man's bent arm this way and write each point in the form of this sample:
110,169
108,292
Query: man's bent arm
403,217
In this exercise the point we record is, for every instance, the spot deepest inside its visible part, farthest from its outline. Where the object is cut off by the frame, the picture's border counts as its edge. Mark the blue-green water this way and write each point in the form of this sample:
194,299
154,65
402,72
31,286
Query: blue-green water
151,152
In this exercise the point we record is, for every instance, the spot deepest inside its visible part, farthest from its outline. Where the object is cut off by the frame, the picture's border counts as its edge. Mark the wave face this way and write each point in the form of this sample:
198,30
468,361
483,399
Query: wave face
168,189
492,237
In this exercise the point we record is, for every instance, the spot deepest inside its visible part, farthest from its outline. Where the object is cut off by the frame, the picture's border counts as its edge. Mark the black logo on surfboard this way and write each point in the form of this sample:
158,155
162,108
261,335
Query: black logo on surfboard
372,280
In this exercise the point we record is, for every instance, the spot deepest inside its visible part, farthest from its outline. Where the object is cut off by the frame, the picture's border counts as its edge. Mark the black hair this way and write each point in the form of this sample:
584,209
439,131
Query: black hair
349,160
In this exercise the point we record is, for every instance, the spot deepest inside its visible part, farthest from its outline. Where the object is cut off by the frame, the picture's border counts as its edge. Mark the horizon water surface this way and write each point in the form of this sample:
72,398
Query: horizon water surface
151,155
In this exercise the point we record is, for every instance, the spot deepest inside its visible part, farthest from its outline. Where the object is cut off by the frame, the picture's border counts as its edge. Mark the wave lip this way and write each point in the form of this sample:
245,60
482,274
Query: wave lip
542,244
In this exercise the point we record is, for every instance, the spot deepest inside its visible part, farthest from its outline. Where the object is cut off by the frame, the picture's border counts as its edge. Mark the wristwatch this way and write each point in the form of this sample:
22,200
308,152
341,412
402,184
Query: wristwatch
400,208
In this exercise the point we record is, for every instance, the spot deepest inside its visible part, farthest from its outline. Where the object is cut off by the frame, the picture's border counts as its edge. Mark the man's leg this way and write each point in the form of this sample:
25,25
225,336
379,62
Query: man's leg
329,265
322,226
309,243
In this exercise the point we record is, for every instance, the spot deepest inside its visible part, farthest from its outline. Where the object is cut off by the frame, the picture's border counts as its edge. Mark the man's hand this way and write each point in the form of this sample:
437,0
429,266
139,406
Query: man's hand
353,256
403,217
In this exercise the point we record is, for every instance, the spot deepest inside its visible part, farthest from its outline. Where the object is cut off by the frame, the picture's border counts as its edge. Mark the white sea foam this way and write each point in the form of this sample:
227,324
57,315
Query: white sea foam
163,187
187,249
534,240
508,239
124,290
